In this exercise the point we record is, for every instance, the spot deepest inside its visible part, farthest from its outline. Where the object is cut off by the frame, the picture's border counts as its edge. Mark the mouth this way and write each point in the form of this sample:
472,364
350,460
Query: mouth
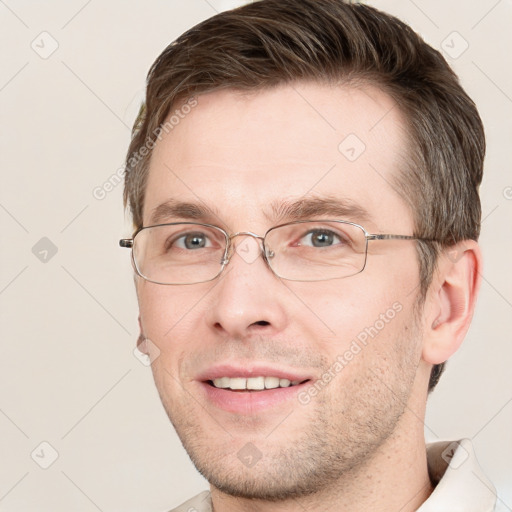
253,384
249,389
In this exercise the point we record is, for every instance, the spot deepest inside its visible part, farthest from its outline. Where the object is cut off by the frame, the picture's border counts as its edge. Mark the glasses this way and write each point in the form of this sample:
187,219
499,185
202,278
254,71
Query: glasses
308,250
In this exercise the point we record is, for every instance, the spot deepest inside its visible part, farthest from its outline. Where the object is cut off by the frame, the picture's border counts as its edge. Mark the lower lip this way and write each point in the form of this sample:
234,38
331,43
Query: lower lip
250,402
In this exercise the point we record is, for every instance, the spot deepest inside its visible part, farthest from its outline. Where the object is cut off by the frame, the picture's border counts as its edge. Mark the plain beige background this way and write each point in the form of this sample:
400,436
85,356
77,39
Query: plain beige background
71,79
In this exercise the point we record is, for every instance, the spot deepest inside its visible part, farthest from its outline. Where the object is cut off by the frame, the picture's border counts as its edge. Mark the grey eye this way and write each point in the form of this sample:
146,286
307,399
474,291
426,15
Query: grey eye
192,241
320,238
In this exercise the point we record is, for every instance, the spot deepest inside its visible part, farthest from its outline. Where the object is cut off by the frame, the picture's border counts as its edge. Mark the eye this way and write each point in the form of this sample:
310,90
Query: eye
321,238
191,241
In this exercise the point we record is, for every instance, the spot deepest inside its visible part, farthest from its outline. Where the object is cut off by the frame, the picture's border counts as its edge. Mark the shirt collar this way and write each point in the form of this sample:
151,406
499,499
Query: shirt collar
460,484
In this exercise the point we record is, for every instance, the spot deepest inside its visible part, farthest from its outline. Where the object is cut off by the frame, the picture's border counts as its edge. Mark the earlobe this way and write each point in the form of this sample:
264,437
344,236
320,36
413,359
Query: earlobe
452,298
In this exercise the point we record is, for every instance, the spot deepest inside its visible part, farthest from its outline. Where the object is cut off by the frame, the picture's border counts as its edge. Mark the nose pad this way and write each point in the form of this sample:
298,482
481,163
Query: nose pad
269,253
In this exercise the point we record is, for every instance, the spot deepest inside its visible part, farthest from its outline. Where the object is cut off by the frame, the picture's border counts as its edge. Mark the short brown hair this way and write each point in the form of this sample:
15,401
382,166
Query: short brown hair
273,42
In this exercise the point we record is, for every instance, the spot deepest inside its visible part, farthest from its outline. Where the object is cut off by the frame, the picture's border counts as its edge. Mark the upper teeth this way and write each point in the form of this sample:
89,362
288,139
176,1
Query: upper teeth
253,383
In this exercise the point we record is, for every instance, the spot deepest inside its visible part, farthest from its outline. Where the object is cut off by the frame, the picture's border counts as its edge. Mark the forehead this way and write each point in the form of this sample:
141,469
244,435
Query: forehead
237,153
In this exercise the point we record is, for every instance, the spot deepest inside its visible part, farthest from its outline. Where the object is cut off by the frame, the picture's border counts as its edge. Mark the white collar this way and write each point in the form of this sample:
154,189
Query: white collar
460,484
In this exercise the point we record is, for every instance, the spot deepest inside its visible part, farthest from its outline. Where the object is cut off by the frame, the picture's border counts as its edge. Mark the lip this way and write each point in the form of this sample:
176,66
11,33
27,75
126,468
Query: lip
250,370
250,402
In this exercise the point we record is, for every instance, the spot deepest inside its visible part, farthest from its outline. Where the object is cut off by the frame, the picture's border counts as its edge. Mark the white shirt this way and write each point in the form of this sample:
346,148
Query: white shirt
459,483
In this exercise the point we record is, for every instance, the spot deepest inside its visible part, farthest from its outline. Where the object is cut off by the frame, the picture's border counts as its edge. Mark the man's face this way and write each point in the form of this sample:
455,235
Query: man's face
246,158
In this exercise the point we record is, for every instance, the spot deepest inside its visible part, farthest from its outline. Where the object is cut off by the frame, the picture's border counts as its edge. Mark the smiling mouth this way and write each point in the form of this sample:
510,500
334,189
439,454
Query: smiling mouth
252,384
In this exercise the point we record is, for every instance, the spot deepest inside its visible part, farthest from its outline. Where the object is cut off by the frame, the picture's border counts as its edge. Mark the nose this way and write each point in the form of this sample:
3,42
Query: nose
248,299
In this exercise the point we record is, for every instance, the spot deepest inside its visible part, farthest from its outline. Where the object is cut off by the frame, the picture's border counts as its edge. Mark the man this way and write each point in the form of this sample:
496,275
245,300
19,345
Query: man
303,181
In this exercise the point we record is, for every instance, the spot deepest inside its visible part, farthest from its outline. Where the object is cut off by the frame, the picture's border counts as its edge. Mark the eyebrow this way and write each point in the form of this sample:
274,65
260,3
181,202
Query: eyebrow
280,211
304,208
174,209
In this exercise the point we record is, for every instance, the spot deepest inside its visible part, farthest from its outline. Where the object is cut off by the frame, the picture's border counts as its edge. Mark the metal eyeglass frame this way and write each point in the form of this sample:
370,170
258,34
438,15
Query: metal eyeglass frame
129,242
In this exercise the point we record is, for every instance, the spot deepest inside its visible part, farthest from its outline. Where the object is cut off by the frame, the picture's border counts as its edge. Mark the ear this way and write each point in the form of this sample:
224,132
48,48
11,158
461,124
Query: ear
451,300
141,341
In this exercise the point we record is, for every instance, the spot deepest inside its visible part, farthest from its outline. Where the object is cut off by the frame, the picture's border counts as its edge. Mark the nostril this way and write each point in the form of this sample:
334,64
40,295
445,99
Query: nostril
262,323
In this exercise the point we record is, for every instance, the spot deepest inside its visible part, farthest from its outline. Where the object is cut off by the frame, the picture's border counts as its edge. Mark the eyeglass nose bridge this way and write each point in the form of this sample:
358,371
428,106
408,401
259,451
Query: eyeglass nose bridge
230,247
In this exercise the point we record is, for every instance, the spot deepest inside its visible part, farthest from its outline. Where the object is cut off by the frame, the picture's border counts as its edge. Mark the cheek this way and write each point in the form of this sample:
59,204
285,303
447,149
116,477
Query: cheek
171,317
357,308
377,359
164,309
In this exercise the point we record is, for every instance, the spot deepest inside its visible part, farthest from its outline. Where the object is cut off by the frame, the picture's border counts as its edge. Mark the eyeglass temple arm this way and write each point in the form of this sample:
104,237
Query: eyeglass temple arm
126,242
391,237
